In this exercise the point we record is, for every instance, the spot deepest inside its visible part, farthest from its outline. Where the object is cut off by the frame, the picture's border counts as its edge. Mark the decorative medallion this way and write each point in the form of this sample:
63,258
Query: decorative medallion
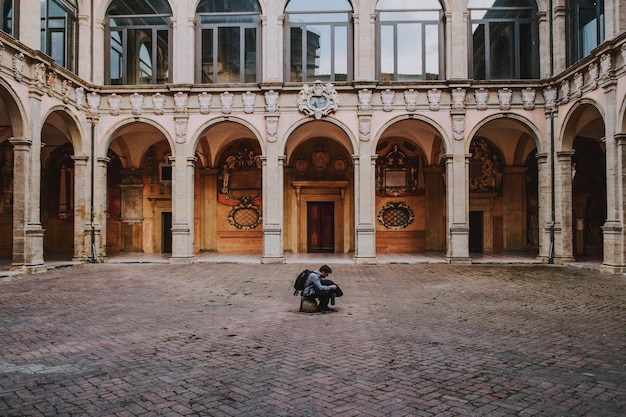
396,216
245,215
485,171
319,100
397,174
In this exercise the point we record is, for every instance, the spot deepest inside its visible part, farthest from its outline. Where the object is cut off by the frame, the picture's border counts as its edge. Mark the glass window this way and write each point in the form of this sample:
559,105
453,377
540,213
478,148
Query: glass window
228,41
585,27
7,13
138,37
59,31
318,40
504,39
409,40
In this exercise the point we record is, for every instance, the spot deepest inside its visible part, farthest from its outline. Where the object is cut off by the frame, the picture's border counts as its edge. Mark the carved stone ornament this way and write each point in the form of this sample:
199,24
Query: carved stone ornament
158,102
410,98
136,104
395,216
40,74
458,99
227,99
18,66
578,84
66,87
434,98
593,75
605,66
504,98
248,98
271,101
481,96
365,100
2,52
93,101
365,126
52,79
79,94
271,125
115,102
205,100
458,127
565,88
623,55
245,215
485,170
549,95
181,129
318,100
528,98
180,102
387,97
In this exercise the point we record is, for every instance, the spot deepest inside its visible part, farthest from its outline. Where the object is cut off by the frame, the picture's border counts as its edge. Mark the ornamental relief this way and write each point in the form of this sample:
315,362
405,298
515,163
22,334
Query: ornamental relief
398,170
239,175
325,161
485,169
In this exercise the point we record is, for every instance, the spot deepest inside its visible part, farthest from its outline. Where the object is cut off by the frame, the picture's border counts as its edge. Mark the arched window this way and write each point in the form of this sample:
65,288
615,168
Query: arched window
138,42
409,40
228,41
59,31
504,39
318,37
8,14
585,28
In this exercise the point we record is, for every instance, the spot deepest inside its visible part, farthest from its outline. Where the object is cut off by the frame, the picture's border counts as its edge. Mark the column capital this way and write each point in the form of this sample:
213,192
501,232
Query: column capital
20,142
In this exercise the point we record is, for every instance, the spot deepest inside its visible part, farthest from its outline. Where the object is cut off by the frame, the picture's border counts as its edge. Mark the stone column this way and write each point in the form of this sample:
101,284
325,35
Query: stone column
21,172
273,202
82,200
545,206
182,209
365,208
100,209
563,235
131,210
457,193
435,211
613,229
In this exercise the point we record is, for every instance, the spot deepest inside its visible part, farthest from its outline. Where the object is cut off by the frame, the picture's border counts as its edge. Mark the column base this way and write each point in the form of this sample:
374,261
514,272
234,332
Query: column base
459,260
365,260
612,269
273,260
182,260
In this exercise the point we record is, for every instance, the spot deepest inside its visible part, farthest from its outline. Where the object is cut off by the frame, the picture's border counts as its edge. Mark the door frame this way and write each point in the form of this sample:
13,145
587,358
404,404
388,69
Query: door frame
338,219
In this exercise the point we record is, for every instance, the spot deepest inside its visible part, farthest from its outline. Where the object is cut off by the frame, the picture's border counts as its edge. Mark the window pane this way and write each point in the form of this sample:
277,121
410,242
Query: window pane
207,64
478,44
318,5
116,59
229,46
387,56
296,55
250,56
408,16
57,47
502,50
220,6
341,53
402,5
431,46
138,7
526,50
319,18
318,53
162,57
409,52
144,68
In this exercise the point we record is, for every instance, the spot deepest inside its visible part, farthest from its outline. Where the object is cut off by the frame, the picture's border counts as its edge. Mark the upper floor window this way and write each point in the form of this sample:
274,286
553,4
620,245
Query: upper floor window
585,28
409,40
59,31
504,39
228,41
318,39
138,42
7,13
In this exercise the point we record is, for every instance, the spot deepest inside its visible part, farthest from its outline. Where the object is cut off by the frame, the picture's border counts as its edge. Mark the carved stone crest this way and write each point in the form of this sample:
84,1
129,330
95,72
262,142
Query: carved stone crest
248,99
504,97
387,98
410,98
271,101
136,104
318,100
578,84
481,95
565,87
205,102
365,125
434,97
181,129
549,95
180,102
271,125
93,101
115,102
365,100
528,98
227,99
458,99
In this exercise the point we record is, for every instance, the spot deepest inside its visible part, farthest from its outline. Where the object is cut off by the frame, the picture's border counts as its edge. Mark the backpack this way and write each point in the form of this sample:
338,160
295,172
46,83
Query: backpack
298,285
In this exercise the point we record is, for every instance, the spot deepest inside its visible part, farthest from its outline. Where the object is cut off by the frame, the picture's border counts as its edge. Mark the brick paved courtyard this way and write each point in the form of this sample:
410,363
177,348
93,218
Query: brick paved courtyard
226,340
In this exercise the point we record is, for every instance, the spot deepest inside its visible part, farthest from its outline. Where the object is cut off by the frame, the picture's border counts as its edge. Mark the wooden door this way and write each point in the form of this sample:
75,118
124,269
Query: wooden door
166,232
320,227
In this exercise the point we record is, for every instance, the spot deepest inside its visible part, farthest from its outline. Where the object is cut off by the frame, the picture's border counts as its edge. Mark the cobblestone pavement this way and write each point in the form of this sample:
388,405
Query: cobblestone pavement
227,340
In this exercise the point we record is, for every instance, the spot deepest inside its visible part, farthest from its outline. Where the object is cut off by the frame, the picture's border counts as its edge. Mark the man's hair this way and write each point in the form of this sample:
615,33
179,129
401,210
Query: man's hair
326,268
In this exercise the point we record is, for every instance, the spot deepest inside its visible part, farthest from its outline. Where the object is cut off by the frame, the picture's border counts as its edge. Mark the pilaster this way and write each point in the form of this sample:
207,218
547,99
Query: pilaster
82,228
273,202
182,209
563,238
457,190
365,208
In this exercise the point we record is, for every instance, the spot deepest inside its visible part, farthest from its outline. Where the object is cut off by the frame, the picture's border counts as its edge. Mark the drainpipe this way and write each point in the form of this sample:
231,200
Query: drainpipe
94,252
552,159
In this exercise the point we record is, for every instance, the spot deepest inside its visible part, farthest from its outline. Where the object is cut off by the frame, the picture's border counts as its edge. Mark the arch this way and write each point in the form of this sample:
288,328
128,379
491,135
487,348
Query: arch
15,110
73,131
533,131
579,116
417,117
287,145
621,117
113,131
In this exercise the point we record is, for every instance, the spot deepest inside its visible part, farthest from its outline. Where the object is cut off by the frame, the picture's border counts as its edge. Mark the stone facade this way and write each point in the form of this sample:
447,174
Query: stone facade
453,165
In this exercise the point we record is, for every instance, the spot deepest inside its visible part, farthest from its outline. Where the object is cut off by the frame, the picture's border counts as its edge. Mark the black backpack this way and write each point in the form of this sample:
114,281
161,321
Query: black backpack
298,285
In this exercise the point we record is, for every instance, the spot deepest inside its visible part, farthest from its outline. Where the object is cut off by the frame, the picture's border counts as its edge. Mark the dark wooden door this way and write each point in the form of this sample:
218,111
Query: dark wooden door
166,233
320,227
476,231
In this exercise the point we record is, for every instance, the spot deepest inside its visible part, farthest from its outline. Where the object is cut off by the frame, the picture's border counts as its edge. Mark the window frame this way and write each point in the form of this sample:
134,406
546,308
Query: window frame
333,25
15,14
423,23
69,41
517,22
215,27
574,38
154,49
